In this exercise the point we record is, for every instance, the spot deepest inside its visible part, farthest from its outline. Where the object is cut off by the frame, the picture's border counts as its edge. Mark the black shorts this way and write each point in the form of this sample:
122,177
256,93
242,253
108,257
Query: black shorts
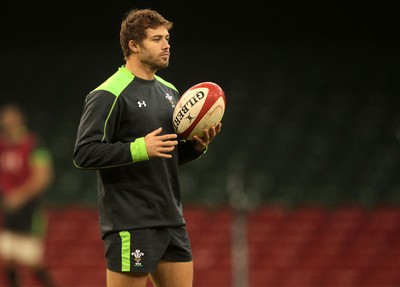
142,249
29,219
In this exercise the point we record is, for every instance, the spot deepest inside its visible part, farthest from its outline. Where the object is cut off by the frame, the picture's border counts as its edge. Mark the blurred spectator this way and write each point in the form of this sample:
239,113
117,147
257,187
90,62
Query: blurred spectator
25,172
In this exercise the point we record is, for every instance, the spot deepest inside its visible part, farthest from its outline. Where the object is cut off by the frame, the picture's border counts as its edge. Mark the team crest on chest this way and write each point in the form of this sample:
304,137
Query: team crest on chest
170,99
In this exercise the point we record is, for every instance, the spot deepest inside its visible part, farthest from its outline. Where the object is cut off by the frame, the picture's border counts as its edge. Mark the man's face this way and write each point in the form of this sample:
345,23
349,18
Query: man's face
10,119
154,50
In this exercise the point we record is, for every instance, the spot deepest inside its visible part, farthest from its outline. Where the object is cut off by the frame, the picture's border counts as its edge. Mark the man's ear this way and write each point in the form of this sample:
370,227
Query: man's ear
133,46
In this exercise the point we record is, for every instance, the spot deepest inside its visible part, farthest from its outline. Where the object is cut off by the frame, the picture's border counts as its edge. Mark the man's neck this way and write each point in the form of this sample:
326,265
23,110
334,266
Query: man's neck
139,70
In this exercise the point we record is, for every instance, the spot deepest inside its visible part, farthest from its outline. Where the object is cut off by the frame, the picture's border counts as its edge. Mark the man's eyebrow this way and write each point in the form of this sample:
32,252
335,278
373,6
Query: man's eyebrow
156,37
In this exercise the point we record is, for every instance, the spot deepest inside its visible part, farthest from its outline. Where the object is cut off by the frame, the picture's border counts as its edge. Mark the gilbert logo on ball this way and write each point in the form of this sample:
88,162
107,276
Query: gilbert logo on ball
200,107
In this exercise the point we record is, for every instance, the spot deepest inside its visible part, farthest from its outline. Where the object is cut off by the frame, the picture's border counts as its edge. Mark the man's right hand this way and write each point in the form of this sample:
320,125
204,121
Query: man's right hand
160,145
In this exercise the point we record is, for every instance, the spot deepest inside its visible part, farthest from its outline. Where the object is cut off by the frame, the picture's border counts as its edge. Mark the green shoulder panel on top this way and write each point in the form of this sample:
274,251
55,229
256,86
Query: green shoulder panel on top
115,85
168,84
117,82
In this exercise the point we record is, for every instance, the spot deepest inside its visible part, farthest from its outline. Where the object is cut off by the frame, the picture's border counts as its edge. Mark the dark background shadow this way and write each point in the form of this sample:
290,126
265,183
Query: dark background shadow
312,92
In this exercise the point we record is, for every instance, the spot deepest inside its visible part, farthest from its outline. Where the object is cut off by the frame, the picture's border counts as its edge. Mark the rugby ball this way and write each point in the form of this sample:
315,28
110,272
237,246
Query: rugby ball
199,108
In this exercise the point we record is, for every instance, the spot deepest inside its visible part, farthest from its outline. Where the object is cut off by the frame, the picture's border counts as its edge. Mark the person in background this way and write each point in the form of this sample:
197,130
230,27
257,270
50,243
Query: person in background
26,171
126,134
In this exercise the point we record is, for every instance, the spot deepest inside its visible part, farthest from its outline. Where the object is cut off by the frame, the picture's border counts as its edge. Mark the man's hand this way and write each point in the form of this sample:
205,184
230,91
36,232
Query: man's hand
14,200
201,143
160,145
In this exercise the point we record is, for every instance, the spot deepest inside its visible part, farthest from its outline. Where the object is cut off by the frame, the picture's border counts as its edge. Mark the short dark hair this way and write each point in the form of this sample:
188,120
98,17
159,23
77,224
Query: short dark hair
134,26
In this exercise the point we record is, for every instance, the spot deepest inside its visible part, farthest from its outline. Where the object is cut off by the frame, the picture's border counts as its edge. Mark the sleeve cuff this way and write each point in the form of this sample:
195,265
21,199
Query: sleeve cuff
204,150
138,150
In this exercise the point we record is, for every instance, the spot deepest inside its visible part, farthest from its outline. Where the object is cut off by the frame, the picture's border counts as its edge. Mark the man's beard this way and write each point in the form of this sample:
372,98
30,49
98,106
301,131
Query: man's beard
159,66
156,64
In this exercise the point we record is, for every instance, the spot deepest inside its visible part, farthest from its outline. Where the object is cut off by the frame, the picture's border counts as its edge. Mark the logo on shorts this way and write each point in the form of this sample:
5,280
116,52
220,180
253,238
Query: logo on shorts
138,257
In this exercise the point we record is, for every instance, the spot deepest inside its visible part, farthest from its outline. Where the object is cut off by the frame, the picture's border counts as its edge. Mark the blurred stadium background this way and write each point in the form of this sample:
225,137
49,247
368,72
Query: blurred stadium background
301,188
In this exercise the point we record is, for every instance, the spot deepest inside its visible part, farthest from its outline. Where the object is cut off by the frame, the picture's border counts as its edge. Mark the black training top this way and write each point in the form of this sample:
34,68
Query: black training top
133,191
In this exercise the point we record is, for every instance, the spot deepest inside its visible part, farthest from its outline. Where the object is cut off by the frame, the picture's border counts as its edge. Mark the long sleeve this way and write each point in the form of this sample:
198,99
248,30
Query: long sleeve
94,147
187,153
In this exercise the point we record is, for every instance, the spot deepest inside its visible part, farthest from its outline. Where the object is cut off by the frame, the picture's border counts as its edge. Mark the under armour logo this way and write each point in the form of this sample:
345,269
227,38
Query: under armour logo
141,104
